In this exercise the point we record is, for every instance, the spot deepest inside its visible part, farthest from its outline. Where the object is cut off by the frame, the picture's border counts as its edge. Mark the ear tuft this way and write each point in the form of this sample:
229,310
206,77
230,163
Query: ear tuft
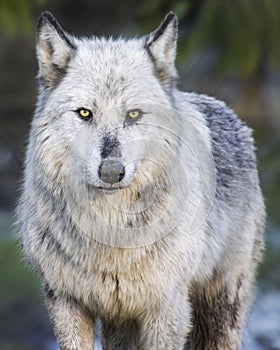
54,49
161,46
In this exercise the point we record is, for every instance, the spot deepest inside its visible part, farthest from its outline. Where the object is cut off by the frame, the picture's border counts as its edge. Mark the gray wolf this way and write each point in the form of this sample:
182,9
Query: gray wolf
141,205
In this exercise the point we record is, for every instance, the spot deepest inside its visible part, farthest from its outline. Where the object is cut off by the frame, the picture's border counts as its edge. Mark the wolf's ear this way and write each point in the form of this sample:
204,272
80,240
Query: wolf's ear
54,49
161,45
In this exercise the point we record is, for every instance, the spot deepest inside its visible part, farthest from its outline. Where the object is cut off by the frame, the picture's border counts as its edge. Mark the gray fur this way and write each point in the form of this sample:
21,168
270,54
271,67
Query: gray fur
166,257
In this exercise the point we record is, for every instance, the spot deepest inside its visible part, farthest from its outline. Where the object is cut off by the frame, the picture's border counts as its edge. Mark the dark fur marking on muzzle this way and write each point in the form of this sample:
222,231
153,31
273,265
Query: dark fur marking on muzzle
110,147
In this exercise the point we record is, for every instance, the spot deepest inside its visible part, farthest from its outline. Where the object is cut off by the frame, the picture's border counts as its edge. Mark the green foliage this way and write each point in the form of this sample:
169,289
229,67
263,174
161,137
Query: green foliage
246,34
16,278
152,12
16,16
181,8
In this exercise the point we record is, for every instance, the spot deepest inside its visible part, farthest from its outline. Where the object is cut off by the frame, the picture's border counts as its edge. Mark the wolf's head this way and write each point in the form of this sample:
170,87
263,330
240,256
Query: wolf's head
104,117
109,119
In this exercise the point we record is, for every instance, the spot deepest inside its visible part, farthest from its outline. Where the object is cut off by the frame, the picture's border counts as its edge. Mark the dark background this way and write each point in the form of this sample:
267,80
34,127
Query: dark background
228,49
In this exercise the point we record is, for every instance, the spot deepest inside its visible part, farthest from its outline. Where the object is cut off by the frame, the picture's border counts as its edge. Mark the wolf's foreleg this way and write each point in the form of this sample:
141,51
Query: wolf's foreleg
162,329
220,310
168,329
73,326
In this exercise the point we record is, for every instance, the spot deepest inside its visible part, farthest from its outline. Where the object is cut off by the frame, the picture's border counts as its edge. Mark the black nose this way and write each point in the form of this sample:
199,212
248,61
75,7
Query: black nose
111,171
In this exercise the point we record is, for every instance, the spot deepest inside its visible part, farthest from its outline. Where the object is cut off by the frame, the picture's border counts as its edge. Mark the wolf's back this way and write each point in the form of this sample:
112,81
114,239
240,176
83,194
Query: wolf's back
231,141
238,194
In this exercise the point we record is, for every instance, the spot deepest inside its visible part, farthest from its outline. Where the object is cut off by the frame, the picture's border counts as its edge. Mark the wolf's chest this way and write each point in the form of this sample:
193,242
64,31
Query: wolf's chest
122,295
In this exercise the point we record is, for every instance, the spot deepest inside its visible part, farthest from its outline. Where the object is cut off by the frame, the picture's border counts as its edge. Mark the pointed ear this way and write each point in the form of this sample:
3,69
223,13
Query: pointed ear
54,49
161,46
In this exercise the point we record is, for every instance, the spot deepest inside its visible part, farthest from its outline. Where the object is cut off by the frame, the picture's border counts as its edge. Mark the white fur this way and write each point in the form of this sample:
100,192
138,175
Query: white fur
160,249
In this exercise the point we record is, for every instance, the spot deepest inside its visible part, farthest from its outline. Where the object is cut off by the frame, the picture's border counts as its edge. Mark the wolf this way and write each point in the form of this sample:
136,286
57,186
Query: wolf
141,205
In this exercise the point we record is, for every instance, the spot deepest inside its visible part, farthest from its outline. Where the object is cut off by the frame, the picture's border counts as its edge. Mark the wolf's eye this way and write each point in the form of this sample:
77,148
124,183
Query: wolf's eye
84,113
133,116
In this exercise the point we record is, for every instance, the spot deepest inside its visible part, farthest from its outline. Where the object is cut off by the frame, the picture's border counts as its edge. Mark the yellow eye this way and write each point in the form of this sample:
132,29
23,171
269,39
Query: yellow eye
134,114
84,113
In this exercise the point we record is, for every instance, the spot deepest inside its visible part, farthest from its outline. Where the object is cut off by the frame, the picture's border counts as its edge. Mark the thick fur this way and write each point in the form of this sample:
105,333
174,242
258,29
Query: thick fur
167,260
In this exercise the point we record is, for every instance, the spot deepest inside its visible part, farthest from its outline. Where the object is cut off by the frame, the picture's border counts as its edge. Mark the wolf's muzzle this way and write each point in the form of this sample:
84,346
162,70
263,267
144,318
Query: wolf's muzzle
111,171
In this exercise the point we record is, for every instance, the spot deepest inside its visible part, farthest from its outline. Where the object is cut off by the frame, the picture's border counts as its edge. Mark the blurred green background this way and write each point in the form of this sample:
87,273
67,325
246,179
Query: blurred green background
228,49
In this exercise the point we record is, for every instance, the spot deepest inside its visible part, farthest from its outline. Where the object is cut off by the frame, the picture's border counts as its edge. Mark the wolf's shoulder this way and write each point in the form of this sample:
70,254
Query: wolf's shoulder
228,133
231,140
220,119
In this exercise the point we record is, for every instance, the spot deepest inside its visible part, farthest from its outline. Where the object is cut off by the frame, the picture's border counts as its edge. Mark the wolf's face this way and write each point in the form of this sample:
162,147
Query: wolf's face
105,112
